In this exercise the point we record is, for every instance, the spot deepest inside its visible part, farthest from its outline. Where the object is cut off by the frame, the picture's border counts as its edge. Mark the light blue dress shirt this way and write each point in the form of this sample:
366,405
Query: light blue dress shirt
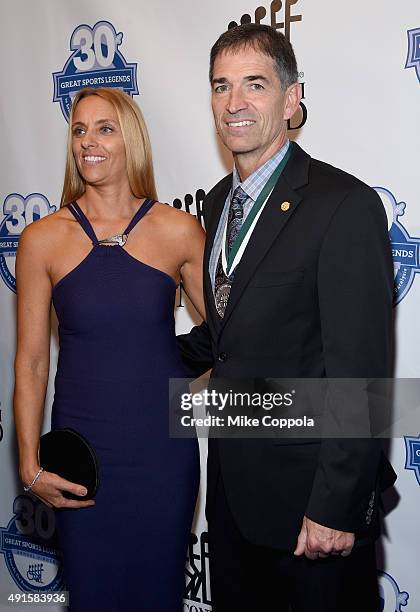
252,186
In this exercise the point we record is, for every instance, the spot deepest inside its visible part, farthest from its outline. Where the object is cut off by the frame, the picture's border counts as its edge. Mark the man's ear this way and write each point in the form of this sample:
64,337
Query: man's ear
292,97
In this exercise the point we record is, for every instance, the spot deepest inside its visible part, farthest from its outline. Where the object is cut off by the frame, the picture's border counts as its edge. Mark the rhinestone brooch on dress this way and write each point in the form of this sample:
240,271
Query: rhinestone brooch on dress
117,239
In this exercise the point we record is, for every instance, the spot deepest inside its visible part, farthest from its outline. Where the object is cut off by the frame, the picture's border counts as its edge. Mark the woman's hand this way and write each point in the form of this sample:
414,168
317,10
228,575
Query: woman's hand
49,486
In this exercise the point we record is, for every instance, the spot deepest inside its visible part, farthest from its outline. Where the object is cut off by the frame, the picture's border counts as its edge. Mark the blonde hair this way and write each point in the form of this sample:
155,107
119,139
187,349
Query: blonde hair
137,146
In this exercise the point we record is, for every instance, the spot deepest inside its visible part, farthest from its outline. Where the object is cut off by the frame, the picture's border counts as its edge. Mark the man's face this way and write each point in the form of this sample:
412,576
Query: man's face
249,106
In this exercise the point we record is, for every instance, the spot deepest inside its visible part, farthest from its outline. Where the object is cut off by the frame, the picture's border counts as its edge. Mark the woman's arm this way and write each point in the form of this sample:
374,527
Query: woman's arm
32,363
33,349
196,346
192,268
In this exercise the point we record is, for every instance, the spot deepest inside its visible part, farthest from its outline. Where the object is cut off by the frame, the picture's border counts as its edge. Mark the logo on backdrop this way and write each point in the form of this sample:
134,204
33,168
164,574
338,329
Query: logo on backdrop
191,204
280,16
390,597
405,248
412,455
413,53
19,211
296,122
96,61
30,548
197,592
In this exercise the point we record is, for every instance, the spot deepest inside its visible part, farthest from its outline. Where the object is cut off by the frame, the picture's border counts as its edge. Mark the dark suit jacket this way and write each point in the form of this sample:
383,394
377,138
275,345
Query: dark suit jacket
312,297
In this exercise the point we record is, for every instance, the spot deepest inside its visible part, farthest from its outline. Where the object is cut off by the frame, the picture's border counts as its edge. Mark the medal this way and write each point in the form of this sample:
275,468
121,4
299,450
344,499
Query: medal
221,298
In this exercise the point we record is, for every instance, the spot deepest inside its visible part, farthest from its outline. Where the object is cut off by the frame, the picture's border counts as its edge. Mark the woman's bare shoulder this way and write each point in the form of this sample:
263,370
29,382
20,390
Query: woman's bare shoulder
176,221
48,230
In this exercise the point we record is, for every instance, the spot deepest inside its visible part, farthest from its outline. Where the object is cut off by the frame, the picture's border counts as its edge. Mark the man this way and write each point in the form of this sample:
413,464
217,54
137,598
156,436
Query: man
302,294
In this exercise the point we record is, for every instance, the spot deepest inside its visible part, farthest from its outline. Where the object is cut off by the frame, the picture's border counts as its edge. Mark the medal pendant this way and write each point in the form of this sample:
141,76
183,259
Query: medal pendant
221,298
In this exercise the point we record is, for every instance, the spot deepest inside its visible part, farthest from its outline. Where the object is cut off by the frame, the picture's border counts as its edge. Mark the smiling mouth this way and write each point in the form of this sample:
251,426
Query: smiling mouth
235,124
93,159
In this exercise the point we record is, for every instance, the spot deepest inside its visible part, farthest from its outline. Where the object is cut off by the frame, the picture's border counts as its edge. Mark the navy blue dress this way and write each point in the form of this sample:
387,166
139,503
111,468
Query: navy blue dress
117,351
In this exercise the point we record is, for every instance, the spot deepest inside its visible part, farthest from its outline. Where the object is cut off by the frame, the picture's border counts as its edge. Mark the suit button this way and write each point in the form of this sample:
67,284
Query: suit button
222,357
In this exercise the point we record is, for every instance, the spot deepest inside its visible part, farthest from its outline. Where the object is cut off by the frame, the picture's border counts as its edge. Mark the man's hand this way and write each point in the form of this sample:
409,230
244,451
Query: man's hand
315,541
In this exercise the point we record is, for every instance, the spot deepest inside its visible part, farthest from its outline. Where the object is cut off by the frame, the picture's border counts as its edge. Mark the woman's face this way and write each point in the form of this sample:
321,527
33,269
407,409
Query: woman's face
97,142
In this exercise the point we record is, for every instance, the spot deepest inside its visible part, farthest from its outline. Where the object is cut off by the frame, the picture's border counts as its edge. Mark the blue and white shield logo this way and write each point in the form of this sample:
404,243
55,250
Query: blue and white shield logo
96,61
412,455
390,597
413,54
405,248
30,547
19,211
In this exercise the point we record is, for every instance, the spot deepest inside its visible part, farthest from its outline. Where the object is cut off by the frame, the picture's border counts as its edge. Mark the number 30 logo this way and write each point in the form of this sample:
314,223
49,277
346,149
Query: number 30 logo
95,61
30,547
19,212
97,46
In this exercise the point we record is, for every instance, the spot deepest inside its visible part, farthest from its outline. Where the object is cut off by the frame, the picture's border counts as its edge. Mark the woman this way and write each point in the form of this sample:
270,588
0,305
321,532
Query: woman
114,299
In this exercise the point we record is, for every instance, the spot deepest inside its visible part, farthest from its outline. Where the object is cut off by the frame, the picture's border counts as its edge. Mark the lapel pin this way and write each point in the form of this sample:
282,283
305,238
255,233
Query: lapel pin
285,206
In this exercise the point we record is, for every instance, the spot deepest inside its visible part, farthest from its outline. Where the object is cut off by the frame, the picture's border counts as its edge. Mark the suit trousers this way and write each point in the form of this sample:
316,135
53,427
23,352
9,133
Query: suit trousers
246,577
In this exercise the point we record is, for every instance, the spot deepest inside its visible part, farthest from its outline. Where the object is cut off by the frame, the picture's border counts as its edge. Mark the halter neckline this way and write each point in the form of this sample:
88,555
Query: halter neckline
86,225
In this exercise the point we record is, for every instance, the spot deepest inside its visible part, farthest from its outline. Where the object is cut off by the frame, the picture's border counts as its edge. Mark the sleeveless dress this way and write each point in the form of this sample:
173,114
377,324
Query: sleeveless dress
117,350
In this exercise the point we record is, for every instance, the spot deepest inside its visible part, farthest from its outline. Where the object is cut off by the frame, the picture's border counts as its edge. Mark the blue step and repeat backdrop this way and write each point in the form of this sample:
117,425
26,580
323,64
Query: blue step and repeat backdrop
359,66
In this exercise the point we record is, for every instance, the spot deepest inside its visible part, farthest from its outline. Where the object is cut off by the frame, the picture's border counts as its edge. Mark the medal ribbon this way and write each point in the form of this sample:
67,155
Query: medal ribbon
230,257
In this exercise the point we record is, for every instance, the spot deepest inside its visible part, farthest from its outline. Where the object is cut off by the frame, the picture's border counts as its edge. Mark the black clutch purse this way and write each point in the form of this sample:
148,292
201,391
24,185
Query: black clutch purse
67,453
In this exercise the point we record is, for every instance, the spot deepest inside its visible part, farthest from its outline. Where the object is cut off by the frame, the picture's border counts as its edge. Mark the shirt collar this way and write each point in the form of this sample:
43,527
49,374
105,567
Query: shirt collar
256,181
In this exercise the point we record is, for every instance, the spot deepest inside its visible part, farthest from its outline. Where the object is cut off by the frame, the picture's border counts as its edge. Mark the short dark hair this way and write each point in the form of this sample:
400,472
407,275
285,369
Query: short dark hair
262,38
